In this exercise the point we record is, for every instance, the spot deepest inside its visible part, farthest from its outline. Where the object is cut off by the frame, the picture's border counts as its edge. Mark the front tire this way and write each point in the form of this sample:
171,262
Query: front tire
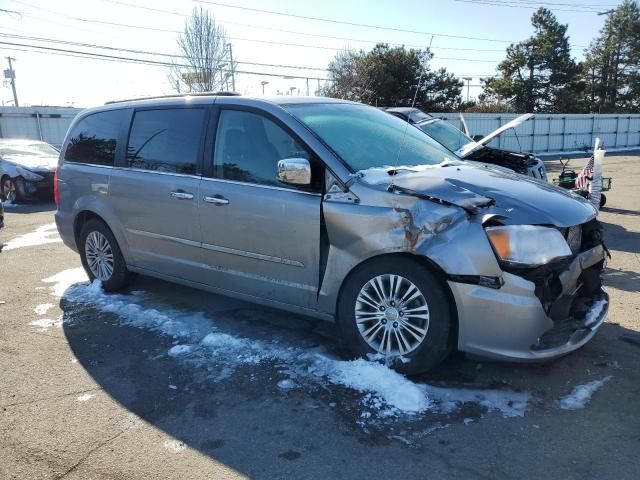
12,189
102,258
395,307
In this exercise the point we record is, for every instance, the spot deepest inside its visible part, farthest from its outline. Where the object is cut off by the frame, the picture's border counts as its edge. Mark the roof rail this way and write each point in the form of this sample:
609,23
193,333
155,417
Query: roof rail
178,95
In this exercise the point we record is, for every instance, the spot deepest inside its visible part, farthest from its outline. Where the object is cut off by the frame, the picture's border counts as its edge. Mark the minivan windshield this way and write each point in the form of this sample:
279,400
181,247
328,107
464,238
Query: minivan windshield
445,133
39,149
366,137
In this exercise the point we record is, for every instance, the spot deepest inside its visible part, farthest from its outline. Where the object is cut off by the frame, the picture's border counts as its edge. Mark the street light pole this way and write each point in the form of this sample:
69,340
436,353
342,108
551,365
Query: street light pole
263,83
233,69
468,79
11,75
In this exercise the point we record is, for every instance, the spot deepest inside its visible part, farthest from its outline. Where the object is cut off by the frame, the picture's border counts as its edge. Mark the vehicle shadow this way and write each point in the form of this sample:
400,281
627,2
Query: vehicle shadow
627,280
29,207
240,415
621,211
619,238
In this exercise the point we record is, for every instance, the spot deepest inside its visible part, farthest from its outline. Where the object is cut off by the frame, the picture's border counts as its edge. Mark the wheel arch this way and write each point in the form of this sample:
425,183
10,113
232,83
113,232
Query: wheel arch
423,261
81,219
83,215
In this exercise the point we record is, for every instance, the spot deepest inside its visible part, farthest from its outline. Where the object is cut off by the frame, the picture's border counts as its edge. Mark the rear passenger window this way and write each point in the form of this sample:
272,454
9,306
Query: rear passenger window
166,140
248,147
95,137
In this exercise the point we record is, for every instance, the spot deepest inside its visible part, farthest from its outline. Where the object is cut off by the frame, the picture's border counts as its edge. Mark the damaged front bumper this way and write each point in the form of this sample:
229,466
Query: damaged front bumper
41,187
535,316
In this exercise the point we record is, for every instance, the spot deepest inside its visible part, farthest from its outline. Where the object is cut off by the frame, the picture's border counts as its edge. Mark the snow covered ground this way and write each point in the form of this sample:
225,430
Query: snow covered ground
40,236
581,395
216,352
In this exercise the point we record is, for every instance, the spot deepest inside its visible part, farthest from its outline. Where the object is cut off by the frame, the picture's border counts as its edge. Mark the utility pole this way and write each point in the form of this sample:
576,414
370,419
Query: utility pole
11,75
233,68
307,87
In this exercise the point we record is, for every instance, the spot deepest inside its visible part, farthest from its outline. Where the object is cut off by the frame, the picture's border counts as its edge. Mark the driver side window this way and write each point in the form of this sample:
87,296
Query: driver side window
249,146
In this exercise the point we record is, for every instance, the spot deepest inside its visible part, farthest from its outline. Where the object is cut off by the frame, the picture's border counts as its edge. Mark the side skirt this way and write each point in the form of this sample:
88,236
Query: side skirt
240,296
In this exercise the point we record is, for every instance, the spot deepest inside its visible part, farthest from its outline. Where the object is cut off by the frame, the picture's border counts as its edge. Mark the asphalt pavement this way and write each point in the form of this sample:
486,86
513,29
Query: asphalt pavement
165,381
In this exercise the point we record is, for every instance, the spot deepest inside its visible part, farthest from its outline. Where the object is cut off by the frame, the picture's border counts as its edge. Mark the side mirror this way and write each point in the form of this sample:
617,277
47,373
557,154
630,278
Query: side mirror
296,171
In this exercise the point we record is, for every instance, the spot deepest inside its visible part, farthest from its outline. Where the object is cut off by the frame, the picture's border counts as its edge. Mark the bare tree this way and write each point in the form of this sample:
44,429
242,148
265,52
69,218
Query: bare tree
203,63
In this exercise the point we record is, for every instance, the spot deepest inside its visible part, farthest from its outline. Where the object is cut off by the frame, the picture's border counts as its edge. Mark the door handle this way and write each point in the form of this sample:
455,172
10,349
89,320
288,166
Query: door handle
216,200
182,195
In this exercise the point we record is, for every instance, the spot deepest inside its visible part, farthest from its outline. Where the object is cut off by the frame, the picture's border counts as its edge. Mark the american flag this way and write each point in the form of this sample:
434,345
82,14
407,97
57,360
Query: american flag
585,176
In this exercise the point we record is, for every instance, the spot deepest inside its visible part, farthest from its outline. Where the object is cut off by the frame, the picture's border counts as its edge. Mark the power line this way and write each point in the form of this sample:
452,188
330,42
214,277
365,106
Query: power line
145,52
146,61
268,42
351,24
317,35
530,5
354,24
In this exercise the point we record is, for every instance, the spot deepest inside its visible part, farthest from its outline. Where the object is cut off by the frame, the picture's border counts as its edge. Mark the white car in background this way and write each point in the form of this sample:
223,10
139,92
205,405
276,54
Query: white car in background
27,168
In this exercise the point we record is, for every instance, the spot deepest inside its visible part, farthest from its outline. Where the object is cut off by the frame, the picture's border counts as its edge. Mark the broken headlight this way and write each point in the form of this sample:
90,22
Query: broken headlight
527,245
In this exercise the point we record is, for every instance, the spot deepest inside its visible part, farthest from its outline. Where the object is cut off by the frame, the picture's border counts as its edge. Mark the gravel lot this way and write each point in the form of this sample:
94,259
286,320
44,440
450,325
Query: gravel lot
133,386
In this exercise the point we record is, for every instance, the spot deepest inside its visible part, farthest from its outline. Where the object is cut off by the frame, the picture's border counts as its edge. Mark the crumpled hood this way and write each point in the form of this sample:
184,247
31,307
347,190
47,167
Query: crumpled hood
485,189
34,162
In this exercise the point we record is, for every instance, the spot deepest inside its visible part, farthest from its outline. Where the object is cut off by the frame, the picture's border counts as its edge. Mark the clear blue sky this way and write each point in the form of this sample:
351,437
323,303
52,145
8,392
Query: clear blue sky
55,79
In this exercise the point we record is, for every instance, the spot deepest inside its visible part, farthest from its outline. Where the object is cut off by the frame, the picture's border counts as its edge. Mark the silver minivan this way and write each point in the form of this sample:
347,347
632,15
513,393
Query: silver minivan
339,211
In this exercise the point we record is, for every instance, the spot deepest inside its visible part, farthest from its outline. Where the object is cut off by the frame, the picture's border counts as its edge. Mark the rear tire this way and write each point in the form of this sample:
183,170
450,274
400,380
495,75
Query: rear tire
379,295
102,258
603,200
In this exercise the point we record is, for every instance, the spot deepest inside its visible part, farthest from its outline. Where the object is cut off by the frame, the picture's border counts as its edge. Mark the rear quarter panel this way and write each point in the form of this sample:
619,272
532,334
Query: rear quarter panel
86,188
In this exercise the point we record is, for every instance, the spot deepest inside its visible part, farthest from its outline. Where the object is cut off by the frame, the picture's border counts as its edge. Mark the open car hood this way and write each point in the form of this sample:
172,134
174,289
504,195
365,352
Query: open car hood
485,189
471,147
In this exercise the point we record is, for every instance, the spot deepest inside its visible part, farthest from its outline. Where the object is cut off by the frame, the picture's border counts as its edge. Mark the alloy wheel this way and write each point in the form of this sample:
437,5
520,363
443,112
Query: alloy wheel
9,190
392,314
99,256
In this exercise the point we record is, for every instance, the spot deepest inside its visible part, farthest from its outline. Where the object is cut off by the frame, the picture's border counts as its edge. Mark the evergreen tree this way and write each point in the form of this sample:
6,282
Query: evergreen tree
538,74
388,76
611,70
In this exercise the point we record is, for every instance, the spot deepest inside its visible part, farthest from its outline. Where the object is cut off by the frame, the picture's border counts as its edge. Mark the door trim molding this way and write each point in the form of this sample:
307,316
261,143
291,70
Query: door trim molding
217,248
159,236
257,256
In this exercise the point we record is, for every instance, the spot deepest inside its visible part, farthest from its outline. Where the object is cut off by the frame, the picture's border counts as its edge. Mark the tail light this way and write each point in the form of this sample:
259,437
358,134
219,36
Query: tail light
56,192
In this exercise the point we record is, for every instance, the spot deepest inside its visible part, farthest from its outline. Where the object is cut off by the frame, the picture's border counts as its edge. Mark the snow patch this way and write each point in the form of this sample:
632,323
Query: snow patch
199,341
43,309
287,384
63,280
44,324
41,236
581,395
85,397
175,446
178,350
371,377
594,312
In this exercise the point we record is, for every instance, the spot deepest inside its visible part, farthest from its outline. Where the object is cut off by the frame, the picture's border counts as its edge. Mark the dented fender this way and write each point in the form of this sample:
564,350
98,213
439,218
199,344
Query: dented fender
447,235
